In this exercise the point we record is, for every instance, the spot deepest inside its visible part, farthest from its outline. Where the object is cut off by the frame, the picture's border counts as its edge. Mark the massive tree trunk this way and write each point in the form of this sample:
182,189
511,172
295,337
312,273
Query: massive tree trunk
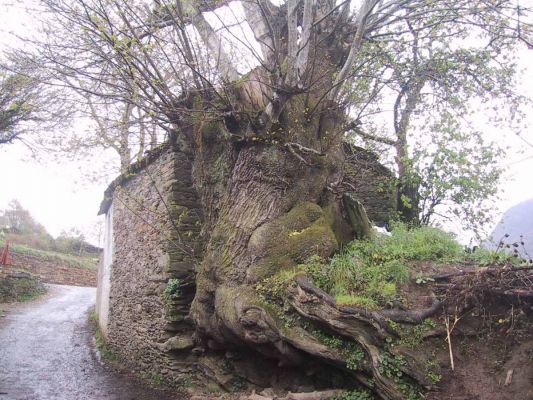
268,169
271,199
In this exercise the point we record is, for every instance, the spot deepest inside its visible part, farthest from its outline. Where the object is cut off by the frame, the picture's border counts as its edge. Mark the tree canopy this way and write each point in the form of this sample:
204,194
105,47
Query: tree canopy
133,67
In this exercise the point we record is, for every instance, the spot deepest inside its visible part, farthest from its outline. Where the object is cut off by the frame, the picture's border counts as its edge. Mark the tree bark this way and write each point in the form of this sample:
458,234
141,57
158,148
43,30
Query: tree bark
269,204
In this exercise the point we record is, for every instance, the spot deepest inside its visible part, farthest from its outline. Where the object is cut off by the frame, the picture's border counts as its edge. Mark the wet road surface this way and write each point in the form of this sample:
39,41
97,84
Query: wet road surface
46,353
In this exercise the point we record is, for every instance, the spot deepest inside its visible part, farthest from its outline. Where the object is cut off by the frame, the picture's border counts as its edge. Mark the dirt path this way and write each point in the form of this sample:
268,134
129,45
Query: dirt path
46,353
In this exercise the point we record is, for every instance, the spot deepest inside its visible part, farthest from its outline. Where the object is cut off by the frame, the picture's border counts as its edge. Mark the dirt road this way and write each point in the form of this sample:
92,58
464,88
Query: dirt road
45,353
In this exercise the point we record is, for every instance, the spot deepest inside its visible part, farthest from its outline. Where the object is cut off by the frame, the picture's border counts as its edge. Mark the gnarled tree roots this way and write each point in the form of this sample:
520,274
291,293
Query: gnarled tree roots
358,342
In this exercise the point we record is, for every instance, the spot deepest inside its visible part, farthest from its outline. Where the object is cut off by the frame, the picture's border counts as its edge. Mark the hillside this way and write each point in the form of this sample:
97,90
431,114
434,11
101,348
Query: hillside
517,221
88,261
28,238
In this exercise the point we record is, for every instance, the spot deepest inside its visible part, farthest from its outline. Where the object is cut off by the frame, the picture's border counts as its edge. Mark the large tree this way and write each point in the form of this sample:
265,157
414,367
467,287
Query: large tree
265,136
431,84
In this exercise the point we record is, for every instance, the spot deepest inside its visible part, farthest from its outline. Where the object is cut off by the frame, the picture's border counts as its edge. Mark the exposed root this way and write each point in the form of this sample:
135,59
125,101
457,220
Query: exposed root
368,329
377,318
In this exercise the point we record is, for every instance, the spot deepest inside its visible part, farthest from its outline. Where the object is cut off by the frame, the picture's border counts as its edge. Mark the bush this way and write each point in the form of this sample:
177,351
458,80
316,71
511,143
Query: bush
20,286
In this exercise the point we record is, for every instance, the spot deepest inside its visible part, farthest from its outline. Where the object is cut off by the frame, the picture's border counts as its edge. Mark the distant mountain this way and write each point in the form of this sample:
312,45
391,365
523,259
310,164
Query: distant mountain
516,221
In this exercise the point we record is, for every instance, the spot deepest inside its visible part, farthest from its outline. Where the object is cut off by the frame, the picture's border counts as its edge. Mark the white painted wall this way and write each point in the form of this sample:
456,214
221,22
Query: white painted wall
104,274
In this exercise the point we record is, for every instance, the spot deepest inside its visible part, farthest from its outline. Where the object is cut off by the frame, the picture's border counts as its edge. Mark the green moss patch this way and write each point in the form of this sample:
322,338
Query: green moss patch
290,240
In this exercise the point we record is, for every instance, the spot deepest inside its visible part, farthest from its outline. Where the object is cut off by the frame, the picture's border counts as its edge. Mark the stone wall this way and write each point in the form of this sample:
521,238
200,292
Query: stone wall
156,225
18,286
371,183
53,271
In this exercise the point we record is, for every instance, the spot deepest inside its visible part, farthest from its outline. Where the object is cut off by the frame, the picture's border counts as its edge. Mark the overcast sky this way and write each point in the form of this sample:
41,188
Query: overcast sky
60,195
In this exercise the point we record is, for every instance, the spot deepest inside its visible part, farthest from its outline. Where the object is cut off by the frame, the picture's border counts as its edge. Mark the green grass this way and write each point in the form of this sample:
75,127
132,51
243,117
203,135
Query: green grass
366,273
60,258
31,295
354,300
360,394
485,257
101,345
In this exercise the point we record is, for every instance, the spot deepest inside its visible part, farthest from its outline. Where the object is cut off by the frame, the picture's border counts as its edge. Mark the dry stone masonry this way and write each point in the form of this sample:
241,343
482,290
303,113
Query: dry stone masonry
370,182
53,271
155,227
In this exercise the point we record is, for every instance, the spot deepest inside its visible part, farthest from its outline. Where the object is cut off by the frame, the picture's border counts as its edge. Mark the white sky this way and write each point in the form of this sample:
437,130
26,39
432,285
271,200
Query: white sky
56,193
59,196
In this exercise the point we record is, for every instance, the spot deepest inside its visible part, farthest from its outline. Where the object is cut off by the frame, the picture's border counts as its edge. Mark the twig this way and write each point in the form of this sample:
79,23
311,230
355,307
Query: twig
299,157
509,377
449,331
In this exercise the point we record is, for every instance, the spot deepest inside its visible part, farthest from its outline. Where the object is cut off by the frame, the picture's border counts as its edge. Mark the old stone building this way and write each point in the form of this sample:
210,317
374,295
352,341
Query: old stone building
153,244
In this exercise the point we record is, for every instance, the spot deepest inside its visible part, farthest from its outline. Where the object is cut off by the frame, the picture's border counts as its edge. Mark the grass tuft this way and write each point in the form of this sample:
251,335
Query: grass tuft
101,345
366,272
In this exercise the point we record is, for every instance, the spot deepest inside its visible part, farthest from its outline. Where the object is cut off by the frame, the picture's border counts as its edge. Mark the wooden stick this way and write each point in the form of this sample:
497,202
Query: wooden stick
509,377
449,338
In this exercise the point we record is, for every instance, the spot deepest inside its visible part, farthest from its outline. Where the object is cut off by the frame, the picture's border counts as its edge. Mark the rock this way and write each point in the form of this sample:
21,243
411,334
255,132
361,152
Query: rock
357,216
178,343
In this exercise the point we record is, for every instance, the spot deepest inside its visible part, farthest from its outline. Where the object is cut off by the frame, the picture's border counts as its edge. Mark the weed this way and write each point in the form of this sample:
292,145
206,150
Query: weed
156,379
20,289
420,279
101,345
486,257
391,365
413,336
172,290
434,377
507,252
271,289
31,295
353,353
361,394
410,391
171,294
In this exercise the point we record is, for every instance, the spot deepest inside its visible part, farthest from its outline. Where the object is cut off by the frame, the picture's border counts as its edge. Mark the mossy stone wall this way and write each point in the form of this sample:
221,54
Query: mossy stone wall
156,226
371,183
18,286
